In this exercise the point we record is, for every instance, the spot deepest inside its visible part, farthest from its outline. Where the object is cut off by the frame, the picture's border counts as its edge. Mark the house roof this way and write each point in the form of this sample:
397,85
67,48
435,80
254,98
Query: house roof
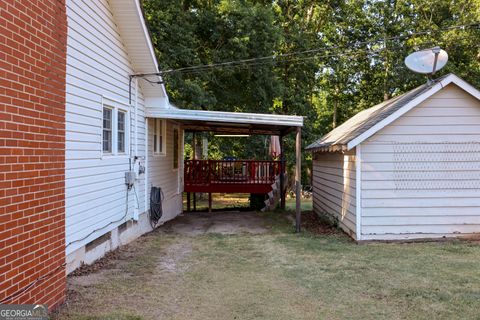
367,122
133,29
228,122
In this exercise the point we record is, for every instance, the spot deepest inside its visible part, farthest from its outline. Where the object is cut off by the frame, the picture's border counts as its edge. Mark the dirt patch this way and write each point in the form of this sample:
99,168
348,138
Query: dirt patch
173,260
315,224
87,280
198,223
280,275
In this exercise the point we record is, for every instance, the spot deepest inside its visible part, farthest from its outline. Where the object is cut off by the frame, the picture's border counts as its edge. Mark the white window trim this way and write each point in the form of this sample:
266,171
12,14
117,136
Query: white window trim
115,106
126,146
162,153
112,120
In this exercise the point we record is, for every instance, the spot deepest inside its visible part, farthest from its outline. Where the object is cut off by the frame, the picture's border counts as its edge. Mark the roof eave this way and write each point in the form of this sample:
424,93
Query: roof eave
328,149
135,34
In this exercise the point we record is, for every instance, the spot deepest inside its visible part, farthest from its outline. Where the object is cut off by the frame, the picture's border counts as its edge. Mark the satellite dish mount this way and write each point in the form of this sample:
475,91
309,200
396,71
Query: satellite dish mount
427,61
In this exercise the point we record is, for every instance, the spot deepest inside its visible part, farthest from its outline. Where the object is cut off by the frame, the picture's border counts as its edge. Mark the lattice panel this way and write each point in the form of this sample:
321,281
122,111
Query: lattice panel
432,166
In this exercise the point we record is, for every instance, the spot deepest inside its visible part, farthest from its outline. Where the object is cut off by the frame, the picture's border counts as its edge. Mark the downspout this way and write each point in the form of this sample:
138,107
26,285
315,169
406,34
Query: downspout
135,158
136,117
146,164
298,179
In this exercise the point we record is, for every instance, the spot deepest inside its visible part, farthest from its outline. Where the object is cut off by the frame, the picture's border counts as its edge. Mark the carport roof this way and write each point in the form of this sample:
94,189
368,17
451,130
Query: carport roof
228,122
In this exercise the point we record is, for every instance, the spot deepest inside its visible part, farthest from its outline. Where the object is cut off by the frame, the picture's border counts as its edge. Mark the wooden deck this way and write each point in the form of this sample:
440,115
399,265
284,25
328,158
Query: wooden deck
235,176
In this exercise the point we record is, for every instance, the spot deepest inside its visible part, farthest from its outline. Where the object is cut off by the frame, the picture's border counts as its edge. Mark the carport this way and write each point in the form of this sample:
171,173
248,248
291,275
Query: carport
209,176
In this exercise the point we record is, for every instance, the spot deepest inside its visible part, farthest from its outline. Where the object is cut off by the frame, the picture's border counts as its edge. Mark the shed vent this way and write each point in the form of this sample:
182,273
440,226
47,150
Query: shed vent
437,166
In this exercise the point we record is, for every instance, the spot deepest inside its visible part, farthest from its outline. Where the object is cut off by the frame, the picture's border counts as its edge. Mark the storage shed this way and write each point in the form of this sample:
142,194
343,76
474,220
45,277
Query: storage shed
407,168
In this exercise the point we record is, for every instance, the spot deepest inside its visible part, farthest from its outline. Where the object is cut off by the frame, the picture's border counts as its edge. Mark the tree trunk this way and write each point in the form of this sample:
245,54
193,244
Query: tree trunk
335,111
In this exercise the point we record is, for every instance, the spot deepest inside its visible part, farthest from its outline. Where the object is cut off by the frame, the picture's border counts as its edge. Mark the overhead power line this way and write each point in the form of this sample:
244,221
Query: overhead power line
331,51
349,54
314,52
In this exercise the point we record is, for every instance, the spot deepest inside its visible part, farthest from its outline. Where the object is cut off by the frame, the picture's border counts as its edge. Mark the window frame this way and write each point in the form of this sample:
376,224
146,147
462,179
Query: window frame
177,153
125,113
159,131
116,107
105,107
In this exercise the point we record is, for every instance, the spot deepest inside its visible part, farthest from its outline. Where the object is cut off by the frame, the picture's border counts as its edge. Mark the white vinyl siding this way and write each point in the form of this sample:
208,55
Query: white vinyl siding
160,171
421,174
334,188
98,66
159,134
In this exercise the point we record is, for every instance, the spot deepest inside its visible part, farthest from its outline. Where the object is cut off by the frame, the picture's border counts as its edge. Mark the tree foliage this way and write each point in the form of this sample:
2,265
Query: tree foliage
359,61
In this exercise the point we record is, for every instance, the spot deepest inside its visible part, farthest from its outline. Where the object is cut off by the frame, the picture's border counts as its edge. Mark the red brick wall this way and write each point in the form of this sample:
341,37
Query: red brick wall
32,151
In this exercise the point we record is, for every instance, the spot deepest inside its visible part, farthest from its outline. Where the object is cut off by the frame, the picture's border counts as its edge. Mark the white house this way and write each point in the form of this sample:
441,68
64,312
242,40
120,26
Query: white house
117,123
107,133
404,169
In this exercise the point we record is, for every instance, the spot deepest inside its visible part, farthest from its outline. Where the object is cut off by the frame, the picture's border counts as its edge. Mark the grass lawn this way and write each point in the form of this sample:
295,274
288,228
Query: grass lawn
240,201
219,201
278,274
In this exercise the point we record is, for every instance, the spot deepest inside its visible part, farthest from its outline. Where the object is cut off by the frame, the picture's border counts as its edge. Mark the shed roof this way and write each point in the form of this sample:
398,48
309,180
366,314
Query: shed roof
367,122
228,122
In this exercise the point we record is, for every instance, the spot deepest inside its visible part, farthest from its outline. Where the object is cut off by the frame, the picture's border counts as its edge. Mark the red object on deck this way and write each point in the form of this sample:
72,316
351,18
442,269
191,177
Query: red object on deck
230,176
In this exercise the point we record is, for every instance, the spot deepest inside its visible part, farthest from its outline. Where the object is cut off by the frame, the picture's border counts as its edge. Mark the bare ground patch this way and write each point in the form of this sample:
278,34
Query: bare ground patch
197,272
227,223
174,257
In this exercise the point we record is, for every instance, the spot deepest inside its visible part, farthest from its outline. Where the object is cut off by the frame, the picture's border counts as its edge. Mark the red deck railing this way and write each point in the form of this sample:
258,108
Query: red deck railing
243,176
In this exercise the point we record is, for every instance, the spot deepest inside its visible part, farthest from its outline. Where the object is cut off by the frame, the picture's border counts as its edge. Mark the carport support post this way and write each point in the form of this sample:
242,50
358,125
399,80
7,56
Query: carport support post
194,158
298,175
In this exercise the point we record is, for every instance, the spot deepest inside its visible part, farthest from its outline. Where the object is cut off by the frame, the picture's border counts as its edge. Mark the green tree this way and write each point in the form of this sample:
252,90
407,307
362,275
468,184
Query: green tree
352,56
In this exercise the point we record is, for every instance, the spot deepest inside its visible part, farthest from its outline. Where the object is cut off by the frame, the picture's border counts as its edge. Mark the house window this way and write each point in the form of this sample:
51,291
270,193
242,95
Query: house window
115,128
159,133
175,148
121,141
107,130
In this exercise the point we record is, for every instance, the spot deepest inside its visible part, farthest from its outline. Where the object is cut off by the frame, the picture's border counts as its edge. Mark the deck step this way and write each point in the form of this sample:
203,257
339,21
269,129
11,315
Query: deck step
273,196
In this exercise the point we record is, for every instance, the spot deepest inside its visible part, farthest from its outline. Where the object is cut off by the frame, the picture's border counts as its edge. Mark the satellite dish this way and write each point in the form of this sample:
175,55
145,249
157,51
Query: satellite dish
427,61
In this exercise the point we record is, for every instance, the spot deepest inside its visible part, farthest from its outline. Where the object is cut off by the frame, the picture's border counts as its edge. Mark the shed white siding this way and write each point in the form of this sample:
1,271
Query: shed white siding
421,174
98,69
334,188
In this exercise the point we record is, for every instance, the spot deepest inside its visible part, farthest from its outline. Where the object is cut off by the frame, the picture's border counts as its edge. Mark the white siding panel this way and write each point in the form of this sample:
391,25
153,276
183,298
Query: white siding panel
416,230
162,174
334,188
419,211
422,220
409,138
421,166
414,194
421,174
447,121
432,129
446,112
98,67
405,156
